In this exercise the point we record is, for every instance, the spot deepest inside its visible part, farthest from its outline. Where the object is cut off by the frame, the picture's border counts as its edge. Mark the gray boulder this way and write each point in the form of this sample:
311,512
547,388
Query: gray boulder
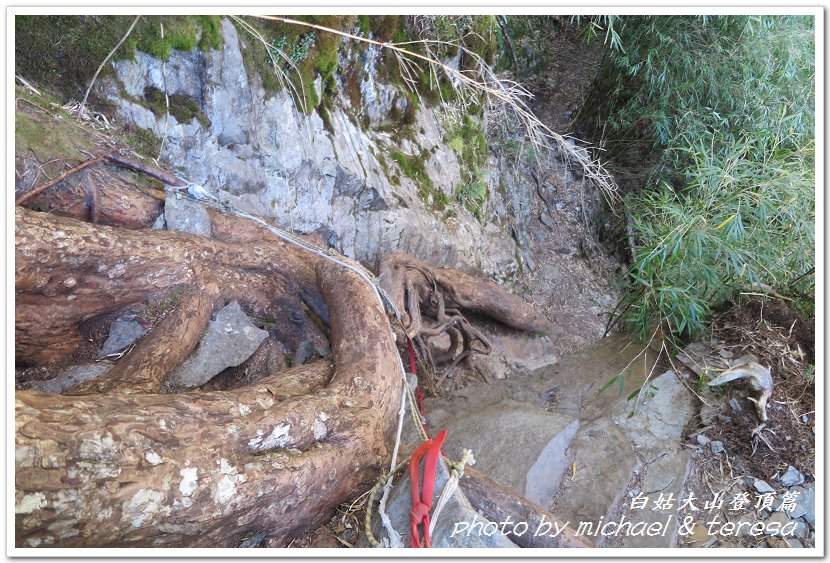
186,215
792,477
230,339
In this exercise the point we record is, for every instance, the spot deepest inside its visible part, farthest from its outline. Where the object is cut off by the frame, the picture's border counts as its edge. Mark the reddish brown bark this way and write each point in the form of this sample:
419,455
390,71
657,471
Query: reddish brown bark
144,367
120,199
460,290
68,271
131,467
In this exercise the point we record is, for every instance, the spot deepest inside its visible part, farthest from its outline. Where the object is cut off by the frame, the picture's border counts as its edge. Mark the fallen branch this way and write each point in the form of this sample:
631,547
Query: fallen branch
23,198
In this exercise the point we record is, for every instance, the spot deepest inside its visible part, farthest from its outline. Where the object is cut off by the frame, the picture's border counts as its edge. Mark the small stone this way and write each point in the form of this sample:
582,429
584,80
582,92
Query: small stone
805,418
741,531
806,502
792,477
229,340
777,518
793,543
702,439
73,376
159,224
123,332
762,486
634,493
187,216
736,406
802,531
716,446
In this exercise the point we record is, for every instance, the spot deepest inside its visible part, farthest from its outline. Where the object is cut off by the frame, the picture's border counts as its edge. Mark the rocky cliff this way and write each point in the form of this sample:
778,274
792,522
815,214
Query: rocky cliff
351,177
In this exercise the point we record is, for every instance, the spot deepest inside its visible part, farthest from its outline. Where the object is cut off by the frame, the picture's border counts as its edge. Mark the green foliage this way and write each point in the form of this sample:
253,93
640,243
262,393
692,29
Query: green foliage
414,167
301,54
472,196
532,40
212,38
48,139
180,32
63,52
729,104
143,140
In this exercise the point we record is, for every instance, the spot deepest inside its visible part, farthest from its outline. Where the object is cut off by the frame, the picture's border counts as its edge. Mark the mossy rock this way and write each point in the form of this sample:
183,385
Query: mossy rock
62,53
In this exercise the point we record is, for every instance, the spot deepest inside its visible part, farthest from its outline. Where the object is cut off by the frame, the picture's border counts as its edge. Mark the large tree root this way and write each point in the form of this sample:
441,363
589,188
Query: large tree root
68,271
143,369
121,464
201,469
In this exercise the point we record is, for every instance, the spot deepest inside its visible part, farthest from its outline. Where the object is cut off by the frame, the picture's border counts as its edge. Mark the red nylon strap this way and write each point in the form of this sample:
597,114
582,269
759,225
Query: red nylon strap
422,502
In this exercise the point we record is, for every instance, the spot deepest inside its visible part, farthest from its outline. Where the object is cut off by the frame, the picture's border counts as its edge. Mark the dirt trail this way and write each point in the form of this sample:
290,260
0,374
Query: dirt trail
573,277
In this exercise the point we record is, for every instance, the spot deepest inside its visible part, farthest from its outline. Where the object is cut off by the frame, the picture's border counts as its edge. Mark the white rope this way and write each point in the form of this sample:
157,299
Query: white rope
451,486
394,536
166,97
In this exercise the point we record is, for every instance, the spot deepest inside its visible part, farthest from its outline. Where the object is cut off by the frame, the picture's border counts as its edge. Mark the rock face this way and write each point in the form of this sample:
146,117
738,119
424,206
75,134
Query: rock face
230,339
186,215
256,150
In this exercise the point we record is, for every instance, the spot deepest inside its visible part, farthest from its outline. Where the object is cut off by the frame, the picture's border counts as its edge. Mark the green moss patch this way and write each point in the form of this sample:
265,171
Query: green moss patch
183,108
63,52
47,138
300,55
466,139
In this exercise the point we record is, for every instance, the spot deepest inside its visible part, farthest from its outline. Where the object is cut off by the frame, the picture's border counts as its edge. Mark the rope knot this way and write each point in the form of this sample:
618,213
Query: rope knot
418,512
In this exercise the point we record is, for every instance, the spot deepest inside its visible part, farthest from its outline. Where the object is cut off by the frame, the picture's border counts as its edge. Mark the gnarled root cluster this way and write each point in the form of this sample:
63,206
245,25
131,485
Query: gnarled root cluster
433,301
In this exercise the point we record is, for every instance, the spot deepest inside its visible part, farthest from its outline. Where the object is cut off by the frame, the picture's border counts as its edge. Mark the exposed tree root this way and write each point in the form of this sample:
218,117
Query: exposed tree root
203,468
431,301
142,369
118,463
